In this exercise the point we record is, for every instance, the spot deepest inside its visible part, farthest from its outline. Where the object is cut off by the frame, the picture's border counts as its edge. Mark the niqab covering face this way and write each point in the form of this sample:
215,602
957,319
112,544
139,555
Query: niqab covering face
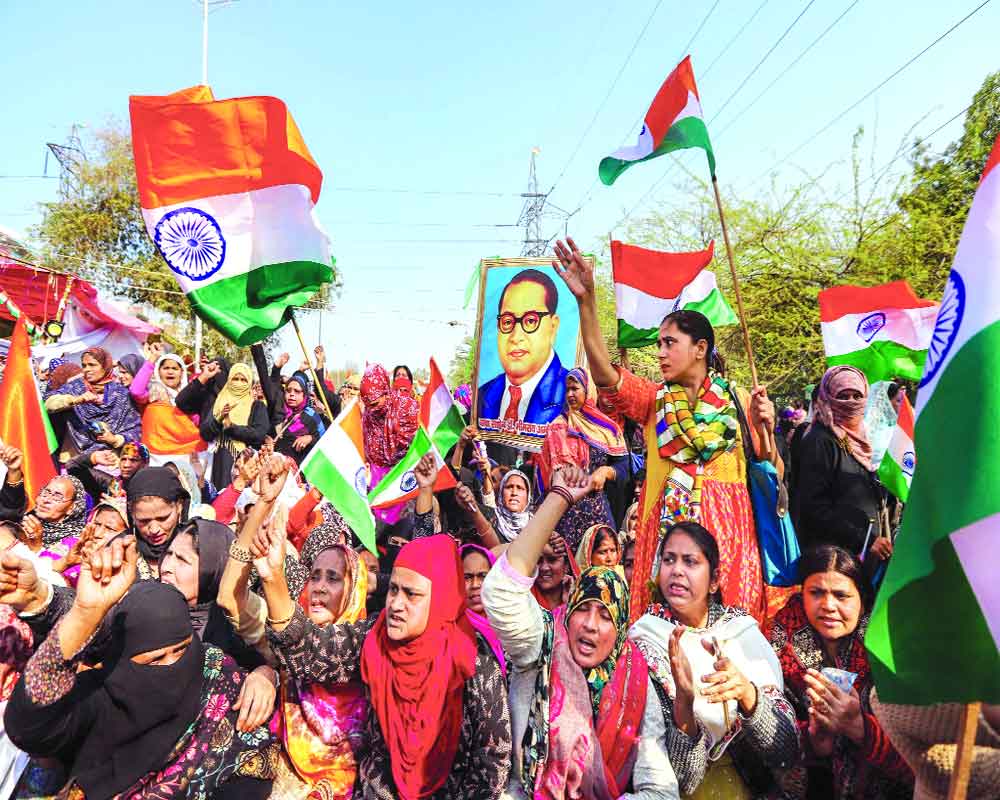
845,417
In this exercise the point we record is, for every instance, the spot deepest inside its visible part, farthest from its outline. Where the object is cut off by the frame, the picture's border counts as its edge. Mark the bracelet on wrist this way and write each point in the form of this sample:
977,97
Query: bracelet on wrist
241,554
562,492
285,621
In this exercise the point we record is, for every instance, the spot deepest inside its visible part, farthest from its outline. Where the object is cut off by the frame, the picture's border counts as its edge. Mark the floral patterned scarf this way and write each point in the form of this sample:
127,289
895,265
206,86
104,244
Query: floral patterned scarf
691,437
581,721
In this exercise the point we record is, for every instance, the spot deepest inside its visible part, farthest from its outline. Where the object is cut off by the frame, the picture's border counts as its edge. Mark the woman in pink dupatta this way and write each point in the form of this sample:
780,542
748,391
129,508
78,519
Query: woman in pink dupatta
474,571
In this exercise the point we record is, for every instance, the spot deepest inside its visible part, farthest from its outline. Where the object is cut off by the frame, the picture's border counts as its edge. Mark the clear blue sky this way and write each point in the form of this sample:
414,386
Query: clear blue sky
440,104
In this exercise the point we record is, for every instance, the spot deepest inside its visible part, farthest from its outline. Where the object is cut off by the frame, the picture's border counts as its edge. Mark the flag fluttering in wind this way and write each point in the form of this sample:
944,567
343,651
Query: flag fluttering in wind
673,122
441,425
336,466
650,284
227,190
899,461
23,421
884,331
945,556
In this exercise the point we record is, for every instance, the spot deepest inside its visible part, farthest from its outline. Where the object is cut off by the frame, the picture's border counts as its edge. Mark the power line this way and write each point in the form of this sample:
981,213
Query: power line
760,63
687,47
607,95
432,192
29,177
786,70
872,91
731,42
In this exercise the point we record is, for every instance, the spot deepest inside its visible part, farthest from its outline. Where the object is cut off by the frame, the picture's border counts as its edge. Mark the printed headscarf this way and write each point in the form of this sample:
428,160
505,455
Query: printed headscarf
510,523
72,521
585,551
417,686
845,417
388,430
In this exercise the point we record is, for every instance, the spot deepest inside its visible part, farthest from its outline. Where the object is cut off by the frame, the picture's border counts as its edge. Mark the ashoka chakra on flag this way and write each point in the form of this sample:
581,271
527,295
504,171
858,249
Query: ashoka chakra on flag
949,320
191,242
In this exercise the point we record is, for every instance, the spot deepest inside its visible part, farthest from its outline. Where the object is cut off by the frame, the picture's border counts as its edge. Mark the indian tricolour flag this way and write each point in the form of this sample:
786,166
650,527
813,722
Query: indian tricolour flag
674,122
899,461
227,190
882,330
650,284
336,466
441,425
934,635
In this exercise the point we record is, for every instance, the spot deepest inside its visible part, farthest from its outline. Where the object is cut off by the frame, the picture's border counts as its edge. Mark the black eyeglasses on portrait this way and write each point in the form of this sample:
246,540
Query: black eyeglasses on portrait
529,321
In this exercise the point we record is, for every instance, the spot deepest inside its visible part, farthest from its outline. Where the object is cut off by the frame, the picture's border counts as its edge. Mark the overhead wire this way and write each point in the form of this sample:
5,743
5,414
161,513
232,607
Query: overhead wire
898,71
731,42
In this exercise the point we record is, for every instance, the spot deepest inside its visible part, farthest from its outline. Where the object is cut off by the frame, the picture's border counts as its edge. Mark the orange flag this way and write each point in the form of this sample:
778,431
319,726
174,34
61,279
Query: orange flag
22,419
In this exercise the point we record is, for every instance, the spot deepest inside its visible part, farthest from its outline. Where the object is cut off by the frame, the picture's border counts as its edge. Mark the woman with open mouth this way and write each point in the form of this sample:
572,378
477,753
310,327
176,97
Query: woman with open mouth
585,716
716,676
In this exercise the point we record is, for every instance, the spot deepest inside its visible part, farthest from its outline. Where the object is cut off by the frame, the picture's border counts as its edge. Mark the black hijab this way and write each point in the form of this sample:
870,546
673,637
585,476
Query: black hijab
212,541
142,711
156,482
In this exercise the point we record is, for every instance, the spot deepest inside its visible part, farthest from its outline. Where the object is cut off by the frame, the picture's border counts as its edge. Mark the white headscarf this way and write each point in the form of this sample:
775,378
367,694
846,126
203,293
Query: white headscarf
159,392
511,523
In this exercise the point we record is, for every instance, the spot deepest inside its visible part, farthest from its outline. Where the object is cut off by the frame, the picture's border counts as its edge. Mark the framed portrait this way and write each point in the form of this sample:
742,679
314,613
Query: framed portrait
528,333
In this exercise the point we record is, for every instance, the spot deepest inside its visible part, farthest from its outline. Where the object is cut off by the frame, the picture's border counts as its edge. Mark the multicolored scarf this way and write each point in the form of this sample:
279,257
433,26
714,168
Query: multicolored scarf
583,727
690,438
388,430
585,551
570,436
322,727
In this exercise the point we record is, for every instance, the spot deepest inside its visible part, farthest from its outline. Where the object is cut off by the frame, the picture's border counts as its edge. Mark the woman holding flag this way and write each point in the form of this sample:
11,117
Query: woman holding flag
696,469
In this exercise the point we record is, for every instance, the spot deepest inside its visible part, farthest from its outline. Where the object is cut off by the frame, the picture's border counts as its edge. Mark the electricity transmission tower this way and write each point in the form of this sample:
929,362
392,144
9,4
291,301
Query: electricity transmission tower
537,208
71,158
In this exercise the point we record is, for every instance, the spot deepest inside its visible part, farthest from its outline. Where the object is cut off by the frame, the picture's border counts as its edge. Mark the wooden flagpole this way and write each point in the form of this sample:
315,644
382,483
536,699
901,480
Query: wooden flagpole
959,786
320,389
736,285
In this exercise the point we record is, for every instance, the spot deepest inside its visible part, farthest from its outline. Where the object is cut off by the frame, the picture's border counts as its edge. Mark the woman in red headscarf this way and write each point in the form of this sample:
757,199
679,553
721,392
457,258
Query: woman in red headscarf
439,725
838,498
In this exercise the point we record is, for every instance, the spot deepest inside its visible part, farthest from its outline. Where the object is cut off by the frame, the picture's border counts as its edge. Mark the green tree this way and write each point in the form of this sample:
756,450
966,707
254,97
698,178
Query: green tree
97,232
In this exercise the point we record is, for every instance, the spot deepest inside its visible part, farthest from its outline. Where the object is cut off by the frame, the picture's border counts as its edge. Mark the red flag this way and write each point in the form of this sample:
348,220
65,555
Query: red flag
22,424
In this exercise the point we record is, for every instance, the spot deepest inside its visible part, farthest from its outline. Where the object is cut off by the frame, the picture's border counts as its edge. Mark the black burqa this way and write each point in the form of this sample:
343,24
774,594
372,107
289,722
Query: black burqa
120,722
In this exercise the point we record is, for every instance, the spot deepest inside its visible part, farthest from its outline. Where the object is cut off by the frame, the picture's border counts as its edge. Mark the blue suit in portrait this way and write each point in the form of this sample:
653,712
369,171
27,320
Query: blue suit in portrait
546,402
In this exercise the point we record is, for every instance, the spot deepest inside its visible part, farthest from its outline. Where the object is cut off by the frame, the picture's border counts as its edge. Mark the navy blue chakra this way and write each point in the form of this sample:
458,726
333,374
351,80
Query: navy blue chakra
361,482
949,321
909,462
871,325
408,482
191,243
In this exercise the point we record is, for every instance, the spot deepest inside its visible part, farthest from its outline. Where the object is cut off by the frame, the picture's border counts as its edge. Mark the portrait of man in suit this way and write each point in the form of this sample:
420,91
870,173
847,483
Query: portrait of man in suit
531,386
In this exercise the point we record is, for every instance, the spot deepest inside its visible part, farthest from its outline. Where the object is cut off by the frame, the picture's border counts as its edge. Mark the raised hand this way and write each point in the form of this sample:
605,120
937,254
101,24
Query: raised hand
281,360
426,471
466,499
211,369
106,576
18,581
268,548
272,477
152,351
573,479
574,269
320,354
14,459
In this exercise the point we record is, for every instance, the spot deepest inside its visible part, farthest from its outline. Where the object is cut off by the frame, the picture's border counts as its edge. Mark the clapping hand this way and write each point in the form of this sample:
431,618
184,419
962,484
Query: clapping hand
727,682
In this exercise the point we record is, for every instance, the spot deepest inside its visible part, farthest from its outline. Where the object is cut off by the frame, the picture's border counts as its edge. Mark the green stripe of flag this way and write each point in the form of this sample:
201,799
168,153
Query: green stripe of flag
893,477
884,360
246,308
688,132
714,307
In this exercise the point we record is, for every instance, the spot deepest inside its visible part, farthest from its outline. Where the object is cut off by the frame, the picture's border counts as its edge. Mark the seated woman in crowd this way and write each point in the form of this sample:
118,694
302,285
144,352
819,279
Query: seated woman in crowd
819,638
59,513
585,716
297,424
696,448
101,412
157,717
439,726
236,421
585,437
158,506
716,676
107,519
96,470
598,548
839,499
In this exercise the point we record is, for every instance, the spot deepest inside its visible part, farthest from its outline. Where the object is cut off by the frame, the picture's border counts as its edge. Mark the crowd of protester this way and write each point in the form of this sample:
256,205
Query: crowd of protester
183,616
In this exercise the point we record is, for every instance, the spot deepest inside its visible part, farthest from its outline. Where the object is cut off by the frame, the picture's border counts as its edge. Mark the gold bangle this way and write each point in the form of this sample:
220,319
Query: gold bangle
241,554
285,621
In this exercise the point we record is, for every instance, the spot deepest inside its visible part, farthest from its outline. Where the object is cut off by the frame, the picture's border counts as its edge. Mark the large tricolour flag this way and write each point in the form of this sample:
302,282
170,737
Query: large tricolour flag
899,461
441,425
882,330
23,421
227,190
651,284
336,466
934,635
673,122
